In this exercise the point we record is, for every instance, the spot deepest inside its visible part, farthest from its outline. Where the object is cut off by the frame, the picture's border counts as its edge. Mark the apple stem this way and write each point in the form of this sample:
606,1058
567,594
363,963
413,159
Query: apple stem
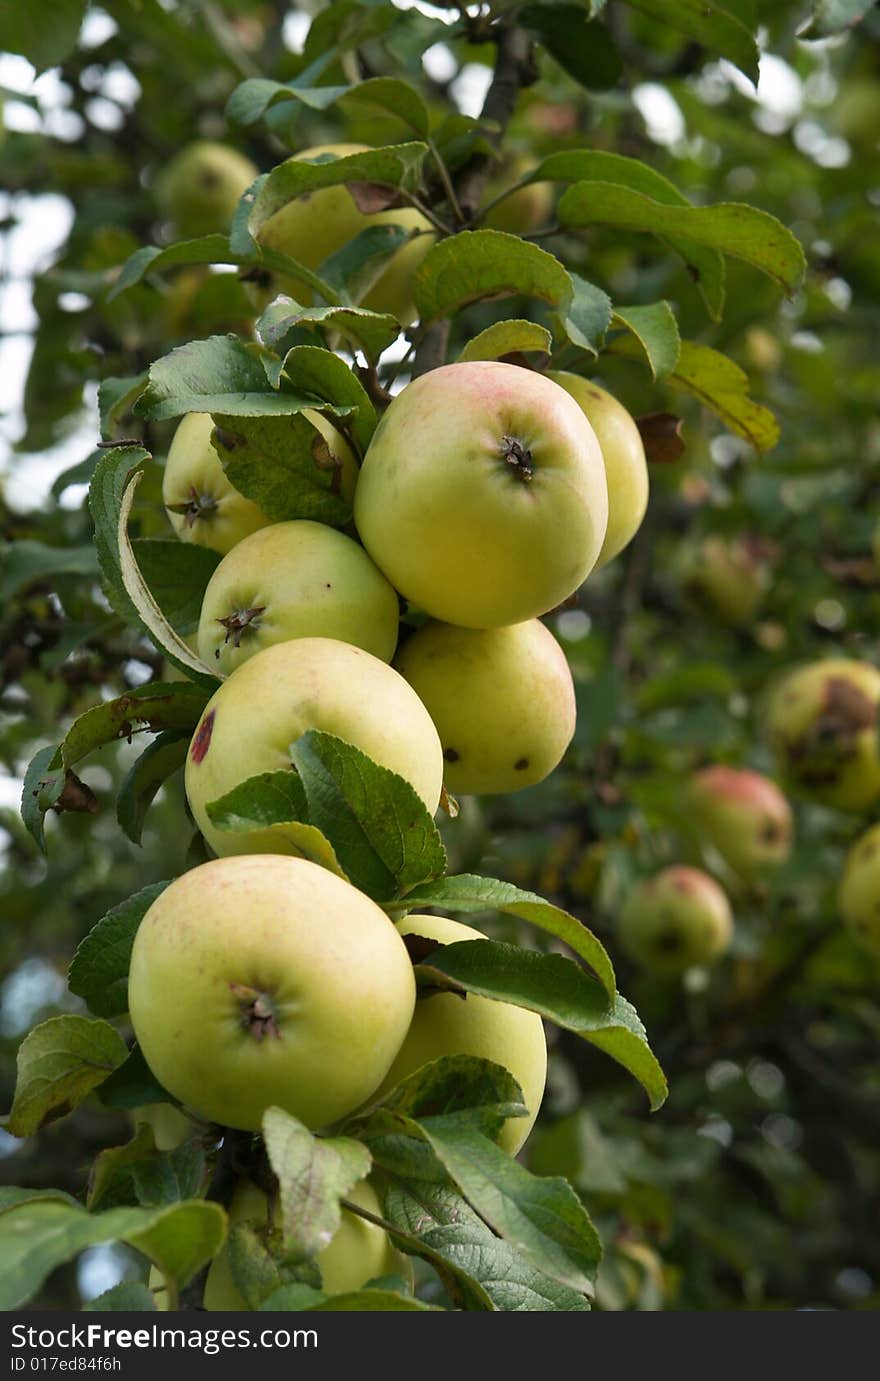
518,456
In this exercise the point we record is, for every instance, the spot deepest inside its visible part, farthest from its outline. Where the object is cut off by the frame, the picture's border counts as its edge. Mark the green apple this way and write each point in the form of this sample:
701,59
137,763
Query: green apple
859,895
279,694
744,816
264,981
502,700
200,188
359,1251
295,580
626,469
202,504
313,227
482,495
447,1024
676,919
822,720
170,1127
731,576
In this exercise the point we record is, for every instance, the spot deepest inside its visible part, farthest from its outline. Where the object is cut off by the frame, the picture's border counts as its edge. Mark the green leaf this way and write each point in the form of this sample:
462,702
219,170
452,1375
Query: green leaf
476,264
116,397
24,562
159,760
283,465
559,990
397,97
711,25
371,332
177,575
40,790
541,1217
303,1299
586,315
488,1272
252,98
58,1064
133,1085
582,47
108,485
81,473
706,266
217,375
455,1083
207,249
506,338
468,895
399,166
722,386
161,705
655,328
379,827
832,16
275,800
139,1173
99,968
732,228
313,1175
329,378
39,1236
45,41
355,268
132,1297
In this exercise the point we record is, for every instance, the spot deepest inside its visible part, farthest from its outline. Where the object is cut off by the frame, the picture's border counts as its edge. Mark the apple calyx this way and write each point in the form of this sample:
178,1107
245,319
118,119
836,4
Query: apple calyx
518,457
239,623
256,1011
197,506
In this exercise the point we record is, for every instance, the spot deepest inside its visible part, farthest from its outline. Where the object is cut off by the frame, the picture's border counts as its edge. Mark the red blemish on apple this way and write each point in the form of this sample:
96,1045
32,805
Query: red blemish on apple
202,738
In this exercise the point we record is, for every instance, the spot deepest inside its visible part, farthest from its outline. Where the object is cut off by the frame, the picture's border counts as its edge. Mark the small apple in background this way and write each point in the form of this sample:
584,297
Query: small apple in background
295,580
200,188
743,815
202,504
317,225
447,1024
482,496
626,469
502,700
675,920
732,576
268,981
859,895
279,694
358,1252
524,210
822,720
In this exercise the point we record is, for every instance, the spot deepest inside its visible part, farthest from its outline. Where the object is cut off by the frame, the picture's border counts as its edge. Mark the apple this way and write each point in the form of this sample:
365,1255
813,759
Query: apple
502,700
482,495
676,919
170,1127
263,981
822,720
202,504
626,468
731,576
447,1024
317,225
859,895
359,1251
279,694
525,209
744,816
295,580
201,187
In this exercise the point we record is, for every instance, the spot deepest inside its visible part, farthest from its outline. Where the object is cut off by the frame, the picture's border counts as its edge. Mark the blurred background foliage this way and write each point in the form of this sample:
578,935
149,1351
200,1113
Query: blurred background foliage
756,1185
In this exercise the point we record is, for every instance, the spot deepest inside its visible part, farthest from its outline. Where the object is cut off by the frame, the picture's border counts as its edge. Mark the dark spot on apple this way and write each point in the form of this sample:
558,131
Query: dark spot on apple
202,738
520,765
328,586
451,754
668,942
771,832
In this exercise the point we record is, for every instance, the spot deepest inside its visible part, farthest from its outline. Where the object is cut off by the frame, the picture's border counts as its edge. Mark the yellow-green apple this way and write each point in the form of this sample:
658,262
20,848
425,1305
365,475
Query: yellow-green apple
676,919
200,188
732,576
523,210
626,469
822,720
502,700
202,504
295,580
170,1127
313,227
482,495
859,896
263,981
279,694
447,1024
359,1251
743,815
